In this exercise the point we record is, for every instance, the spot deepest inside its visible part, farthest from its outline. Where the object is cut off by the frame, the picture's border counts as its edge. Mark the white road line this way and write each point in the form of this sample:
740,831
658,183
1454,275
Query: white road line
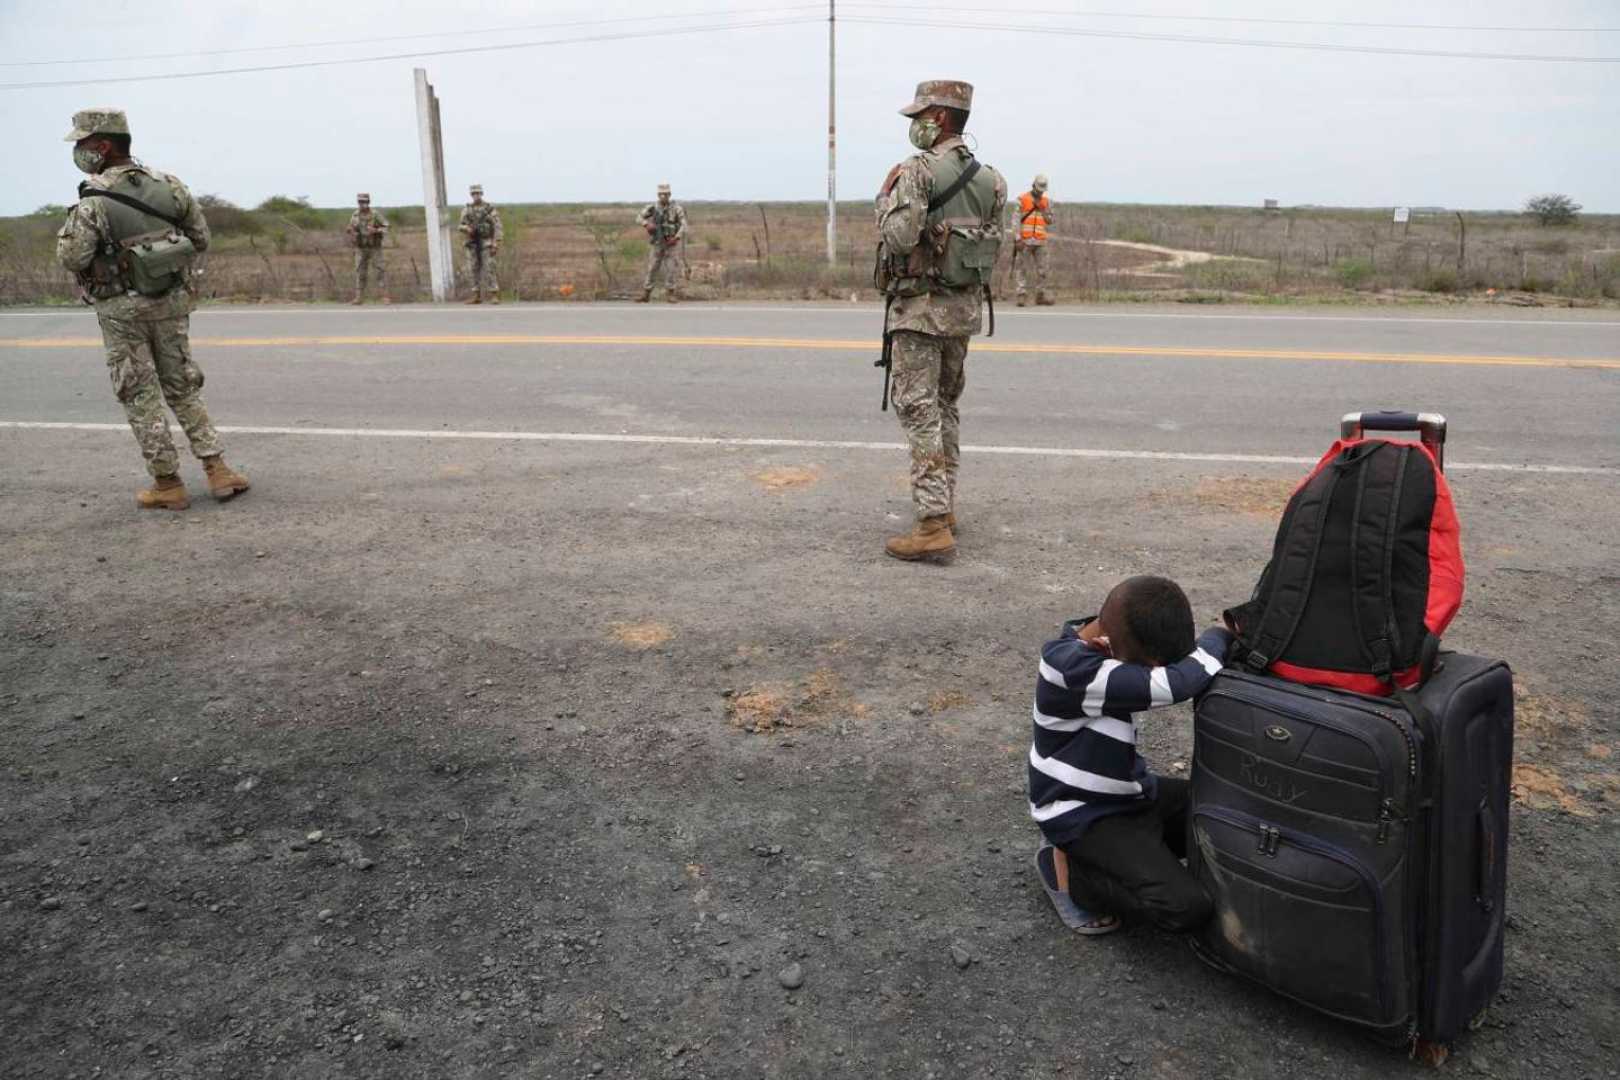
865,309
798,444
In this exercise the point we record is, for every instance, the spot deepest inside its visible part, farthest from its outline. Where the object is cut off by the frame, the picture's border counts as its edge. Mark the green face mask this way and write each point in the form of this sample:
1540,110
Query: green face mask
924,133
88,160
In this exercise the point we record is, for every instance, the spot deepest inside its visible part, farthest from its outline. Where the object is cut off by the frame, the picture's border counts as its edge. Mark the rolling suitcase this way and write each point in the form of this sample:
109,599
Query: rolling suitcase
1355,845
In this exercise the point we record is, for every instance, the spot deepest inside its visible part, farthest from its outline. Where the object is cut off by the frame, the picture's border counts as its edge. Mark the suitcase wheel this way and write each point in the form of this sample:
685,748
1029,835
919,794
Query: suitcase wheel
1430,1054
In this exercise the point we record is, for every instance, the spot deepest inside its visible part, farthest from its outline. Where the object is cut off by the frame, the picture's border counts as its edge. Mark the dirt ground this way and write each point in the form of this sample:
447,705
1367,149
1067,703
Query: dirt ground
416,772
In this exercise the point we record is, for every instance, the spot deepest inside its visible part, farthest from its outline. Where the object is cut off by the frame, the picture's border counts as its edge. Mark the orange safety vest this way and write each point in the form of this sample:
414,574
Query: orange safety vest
1032,216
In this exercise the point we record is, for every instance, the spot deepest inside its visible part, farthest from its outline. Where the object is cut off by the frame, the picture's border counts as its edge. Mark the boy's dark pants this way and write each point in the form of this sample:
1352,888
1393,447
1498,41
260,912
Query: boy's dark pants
1129,865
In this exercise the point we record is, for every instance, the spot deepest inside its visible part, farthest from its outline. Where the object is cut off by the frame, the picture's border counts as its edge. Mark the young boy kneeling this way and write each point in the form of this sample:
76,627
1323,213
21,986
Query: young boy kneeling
1115,833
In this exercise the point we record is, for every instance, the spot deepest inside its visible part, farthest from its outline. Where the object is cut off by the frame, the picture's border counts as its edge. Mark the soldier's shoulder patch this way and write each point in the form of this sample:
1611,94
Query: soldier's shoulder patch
892,179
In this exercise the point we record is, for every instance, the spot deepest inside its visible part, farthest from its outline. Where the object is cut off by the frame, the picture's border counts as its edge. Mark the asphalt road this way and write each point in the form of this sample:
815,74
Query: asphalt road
566,632
1518,388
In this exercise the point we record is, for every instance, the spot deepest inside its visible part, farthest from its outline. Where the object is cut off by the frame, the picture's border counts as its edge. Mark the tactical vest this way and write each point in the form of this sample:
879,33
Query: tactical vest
482,222
1032,216
664,223
960,238
143,253
366,232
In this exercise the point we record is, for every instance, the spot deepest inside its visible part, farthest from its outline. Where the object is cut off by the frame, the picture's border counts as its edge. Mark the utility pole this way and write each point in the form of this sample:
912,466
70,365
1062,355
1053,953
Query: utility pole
430,136
832,133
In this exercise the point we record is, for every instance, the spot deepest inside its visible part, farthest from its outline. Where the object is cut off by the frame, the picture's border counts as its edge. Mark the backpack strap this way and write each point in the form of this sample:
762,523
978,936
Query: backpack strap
1372,553
962,180
1293,566
88,192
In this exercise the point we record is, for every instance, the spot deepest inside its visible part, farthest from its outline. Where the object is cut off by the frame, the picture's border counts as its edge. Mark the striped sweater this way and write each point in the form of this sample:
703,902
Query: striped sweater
1083,763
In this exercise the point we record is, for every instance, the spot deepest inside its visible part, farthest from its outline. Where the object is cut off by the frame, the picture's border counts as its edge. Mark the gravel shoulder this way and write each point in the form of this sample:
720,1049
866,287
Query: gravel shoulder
423,760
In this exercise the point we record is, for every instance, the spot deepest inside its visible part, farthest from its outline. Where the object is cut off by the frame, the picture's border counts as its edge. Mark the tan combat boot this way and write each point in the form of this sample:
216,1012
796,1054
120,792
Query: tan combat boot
1021,301
475,298
166,493
356,300
930,540
671,296
494,297
224,482
950,522
646,295
1045,300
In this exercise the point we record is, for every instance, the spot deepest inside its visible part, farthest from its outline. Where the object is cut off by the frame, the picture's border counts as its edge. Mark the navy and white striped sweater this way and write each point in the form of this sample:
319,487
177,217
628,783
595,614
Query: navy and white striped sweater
1083,762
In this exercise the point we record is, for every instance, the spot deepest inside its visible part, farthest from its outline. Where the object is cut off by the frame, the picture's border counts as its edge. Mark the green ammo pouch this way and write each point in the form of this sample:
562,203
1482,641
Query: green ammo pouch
970,258
155,263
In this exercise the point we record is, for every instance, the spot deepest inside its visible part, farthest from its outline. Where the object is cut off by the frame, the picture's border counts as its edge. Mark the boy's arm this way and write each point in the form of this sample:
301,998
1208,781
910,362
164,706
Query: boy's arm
1100,686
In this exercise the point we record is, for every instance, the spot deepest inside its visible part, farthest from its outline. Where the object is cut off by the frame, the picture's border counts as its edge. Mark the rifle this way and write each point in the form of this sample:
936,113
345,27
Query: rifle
886,361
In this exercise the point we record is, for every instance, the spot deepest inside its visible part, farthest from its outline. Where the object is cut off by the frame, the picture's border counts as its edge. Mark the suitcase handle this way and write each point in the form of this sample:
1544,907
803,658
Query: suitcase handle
1431,427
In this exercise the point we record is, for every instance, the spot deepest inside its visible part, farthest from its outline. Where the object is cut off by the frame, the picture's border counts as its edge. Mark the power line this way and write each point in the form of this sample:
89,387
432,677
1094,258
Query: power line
416,37
1071,13
1195,39
505,47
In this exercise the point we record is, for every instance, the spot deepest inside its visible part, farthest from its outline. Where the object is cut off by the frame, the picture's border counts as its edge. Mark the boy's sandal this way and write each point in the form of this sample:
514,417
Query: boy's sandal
1097,925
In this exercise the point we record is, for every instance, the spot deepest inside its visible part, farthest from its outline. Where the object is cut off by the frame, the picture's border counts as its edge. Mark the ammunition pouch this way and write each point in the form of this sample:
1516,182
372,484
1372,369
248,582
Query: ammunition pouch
156,263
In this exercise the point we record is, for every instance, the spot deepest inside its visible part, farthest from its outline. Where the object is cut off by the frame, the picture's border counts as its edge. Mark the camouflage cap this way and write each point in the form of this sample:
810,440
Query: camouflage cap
946,92
663,189
476,189
362,197
104,121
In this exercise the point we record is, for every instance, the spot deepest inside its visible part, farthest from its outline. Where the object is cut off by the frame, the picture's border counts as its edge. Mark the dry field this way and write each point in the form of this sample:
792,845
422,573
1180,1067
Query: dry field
777,250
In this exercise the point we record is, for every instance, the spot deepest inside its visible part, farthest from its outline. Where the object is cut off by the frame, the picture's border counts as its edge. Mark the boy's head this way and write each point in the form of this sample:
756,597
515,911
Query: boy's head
1148,621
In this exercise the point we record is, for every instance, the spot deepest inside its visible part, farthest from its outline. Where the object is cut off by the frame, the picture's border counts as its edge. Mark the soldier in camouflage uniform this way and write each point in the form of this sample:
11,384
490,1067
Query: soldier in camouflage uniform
130,241
939,223
665,223
366,231
481,236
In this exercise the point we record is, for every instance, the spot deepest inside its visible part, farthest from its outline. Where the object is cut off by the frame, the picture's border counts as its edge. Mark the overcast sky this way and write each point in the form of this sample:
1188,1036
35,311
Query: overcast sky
741,114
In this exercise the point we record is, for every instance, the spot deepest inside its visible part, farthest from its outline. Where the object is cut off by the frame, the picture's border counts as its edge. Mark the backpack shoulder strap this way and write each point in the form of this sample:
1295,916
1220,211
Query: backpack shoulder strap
1372,554
88,192
1293,566
962,180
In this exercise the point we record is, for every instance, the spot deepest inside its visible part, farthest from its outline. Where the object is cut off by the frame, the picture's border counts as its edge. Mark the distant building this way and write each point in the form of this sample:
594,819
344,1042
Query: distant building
1271,204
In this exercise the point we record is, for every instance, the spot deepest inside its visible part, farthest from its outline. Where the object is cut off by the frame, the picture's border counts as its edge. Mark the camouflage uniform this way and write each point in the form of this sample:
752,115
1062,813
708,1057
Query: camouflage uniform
147,338
666,224
367,230
931,332
481,221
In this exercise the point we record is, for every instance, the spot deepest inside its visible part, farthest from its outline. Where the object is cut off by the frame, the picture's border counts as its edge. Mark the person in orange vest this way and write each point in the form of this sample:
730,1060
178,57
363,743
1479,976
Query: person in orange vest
1029,252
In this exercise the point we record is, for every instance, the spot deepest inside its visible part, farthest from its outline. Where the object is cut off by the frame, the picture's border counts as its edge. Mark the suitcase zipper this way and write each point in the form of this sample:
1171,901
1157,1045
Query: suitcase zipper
1386,804
1270,837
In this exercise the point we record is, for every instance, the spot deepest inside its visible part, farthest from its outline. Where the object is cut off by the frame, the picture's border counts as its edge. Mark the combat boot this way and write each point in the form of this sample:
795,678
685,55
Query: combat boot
646,295
930,540
166,493
1045,300
1022,302
495,298
224,482
950,522
356,300
475,298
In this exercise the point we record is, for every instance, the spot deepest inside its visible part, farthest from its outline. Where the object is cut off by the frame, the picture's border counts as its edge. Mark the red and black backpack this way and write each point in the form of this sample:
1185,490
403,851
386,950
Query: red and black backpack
1366,572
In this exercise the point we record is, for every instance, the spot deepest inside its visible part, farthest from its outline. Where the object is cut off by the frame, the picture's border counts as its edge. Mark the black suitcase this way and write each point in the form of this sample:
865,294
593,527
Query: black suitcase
1357,855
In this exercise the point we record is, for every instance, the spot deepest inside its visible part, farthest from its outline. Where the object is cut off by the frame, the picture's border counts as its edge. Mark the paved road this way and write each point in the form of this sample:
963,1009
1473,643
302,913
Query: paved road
1518,387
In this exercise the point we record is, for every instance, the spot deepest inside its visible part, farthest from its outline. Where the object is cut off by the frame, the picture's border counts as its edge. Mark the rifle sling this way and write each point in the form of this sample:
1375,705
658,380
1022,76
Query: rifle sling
962,181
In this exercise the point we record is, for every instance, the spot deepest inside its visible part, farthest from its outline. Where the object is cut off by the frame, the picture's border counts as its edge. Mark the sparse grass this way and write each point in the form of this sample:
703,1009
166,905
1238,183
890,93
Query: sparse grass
289,251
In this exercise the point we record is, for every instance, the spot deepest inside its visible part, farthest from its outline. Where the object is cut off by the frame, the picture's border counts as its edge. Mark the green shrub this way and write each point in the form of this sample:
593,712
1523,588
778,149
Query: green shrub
1354,273
1441,279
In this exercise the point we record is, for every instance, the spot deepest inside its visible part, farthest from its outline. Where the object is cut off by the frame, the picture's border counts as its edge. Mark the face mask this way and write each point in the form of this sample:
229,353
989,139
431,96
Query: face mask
924,133
88,160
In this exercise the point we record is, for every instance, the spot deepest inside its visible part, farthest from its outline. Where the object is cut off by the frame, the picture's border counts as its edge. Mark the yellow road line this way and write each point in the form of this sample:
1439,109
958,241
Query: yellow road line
982,346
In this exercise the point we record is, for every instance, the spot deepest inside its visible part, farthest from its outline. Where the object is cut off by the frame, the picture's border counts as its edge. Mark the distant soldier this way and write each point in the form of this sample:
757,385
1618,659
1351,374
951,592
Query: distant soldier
1034,219
481,236
939,220
665,223
131,241
366,231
